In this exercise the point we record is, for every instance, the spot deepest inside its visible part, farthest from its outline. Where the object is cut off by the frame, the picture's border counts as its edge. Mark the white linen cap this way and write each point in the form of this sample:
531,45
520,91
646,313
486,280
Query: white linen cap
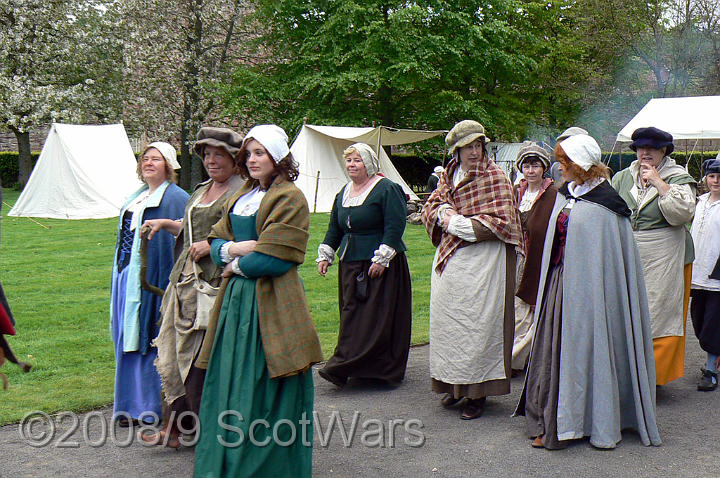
168,152
272,137
370,159
582,150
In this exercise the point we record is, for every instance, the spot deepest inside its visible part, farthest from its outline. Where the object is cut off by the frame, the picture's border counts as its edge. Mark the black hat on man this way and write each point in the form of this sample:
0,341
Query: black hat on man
654,138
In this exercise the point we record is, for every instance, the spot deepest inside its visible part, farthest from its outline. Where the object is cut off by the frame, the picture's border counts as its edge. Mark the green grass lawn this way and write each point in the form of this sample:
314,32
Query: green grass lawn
57,278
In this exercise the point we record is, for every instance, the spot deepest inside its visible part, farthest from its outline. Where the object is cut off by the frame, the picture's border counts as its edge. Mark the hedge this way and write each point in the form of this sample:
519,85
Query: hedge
9,167
618,161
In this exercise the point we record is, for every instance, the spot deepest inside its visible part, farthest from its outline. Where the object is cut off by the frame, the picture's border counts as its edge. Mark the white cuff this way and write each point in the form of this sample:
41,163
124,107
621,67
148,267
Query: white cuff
325,253
383,255
236,268
225,254
461,227
441,212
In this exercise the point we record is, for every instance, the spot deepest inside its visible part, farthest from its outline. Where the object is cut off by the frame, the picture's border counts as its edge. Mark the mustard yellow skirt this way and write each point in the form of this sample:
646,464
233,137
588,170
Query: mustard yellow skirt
670,351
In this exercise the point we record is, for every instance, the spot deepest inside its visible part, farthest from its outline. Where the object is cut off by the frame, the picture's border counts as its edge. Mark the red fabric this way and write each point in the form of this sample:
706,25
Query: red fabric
6,326
484,195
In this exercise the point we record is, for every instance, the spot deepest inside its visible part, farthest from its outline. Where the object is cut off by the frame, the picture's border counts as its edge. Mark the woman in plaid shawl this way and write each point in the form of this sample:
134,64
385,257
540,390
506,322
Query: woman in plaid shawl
473,220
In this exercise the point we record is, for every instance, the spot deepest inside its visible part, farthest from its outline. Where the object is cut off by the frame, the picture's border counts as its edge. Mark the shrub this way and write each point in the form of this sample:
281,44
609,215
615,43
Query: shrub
9,167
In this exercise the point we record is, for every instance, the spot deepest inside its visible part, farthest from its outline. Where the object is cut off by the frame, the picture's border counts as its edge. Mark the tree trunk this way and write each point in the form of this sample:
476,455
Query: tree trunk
24,159
191,172
185,158
191,94
196,168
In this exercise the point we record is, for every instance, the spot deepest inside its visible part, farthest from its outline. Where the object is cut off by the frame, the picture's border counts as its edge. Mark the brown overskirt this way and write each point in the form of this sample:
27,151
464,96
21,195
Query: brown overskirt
542,383
374,336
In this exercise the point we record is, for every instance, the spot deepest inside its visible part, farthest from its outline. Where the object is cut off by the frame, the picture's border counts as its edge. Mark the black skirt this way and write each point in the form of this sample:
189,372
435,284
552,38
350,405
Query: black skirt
374,337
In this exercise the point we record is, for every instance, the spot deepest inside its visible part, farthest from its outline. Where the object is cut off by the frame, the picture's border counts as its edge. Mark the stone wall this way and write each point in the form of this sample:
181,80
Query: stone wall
37,139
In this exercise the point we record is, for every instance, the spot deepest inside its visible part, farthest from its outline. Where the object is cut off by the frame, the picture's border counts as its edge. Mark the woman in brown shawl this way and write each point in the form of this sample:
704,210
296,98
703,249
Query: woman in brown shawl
472,218
261,340
535,196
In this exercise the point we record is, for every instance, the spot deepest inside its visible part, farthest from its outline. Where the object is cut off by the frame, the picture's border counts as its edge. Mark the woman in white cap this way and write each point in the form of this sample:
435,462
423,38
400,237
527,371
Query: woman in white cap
256,412
135,312
591,370
535,195
375,300
184,316
473,220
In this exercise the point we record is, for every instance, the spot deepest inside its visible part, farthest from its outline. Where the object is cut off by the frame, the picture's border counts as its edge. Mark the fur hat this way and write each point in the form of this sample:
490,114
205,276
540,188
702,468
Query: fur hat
224,138
530,151
464,133
654,138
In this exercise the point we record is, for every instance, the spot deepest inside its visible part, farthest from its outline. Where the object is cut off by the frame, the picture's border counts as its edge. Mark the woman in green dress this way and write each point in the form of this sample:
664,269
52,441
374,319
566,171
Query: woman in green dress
256,413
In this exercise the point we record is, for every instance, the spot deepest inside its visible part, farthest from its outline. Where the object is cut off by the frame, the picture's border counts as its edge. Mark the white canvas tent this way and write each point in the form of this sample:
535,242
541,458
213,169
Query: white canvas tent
504,155
688,118
83,172
318,150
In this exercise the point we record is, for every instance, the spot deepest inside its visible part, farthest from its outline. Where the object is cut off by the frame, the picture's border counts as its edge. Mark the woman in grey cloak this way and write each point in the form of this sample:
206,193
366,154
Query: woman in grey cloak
591,371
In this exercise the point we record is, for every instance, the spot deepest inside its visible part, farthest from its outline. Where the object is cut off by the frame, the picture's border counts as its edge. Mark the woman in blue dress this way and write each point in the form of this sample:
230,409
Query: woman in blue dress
256,412
134,312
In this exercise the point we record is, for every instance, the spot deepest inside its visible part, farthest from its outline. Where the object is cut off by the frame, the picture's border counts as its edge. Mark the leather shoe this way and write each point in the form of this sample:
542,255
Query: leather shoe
123,422
537,443
473,409
708,382
332,378
448,400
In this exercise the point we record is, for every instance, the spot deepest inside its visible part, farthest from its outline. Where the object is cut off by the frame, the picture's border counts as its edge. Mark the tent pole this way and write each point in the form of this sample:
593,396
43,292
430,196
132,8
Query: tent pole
379,141
317,186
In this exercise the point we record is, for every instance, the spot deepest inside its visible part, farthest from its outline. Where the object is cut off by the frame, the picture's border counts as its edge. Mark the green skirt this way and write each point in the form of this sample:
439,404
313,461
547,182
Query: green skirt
251,425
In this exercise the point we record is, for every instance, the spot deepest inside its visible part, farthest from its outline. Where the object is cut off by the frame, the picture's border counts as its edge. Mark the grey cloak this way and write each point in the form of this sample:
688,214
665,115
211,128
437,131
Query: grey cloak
607,368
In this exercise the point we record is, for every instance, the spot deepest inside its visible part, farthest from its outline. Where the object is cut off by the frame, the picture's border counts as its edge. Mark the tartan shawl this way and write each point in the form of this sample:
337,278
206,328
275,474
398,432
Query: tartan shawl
289,338
484,195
